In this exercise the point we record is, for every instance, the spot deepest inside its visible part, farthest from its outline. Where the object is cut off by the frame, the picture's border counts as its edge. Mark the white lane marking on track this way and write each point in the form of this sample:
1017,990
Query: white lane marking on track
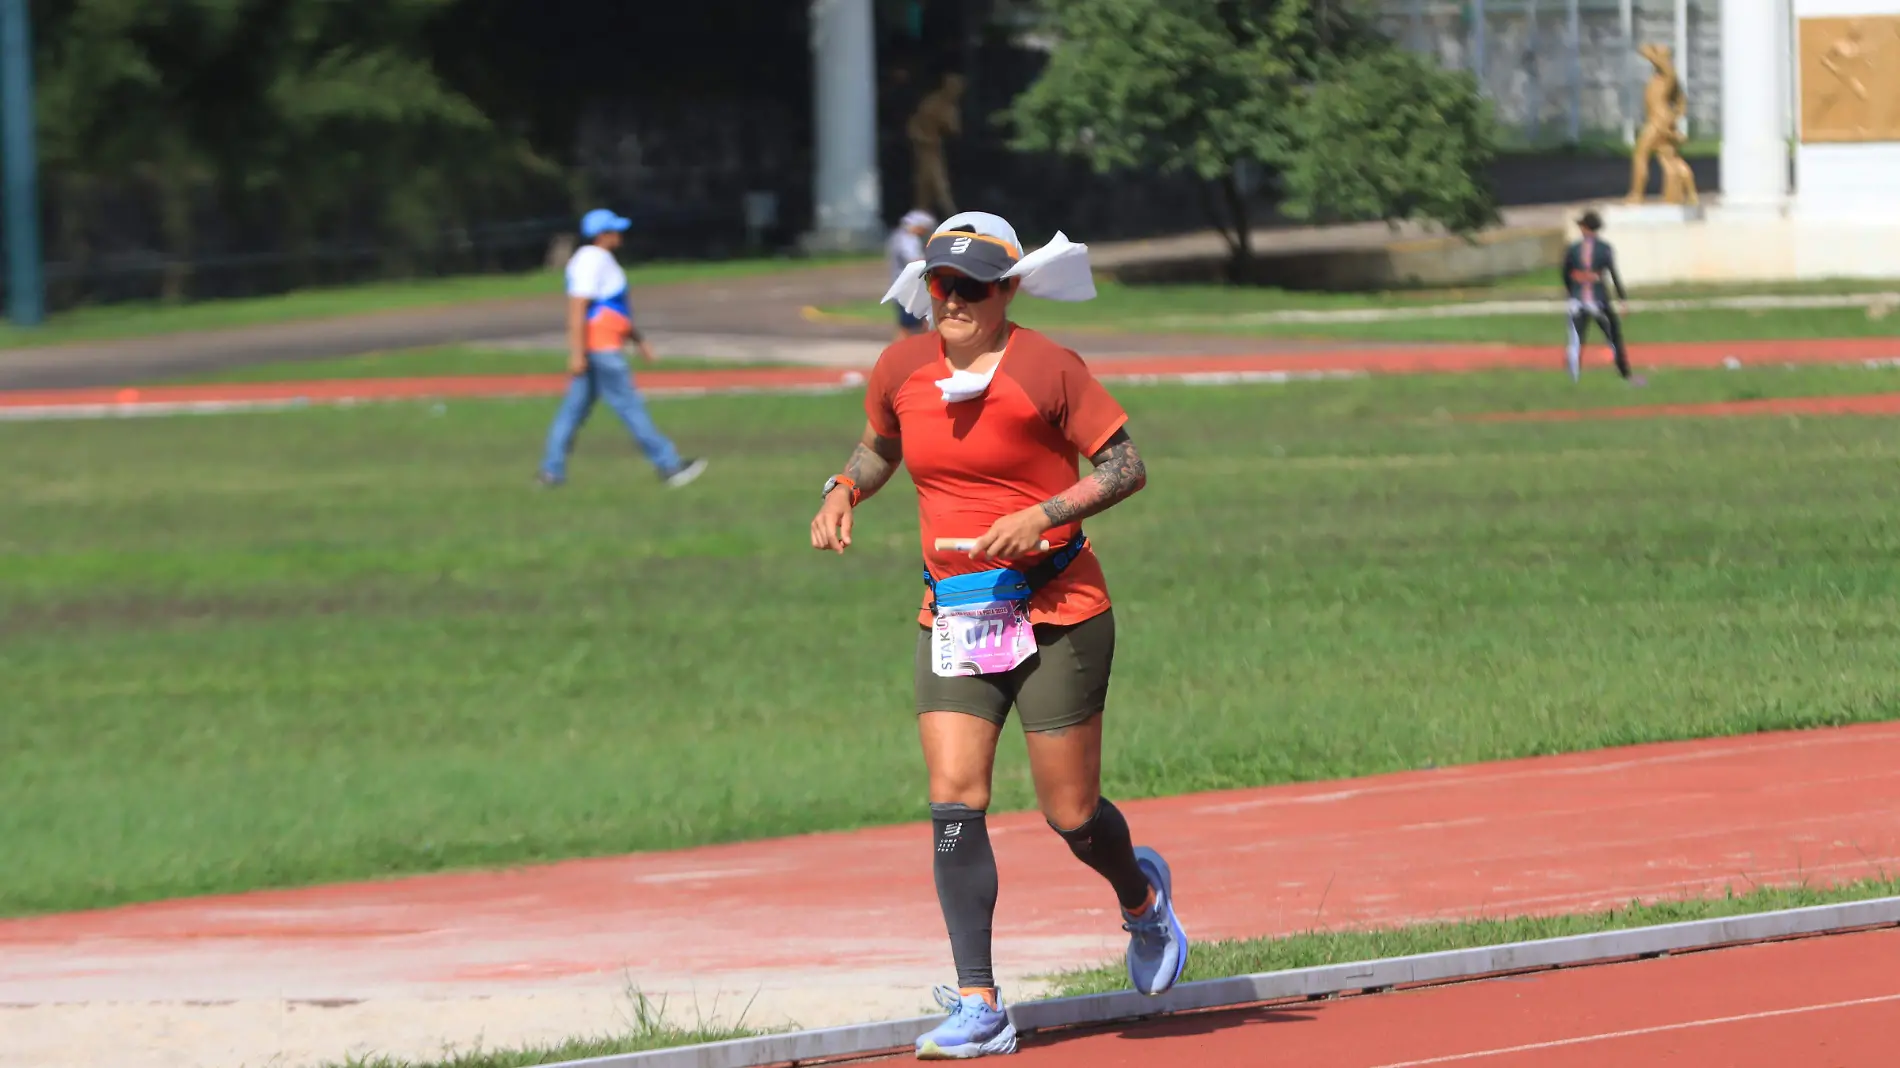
700,876
1660,1029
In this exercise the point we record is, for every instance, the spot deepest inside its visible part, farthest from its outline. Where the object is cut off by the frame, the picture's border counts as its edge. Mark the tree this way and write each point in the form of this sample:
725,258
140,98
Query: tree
1391,136
1214,87
111,113
305,122
352,127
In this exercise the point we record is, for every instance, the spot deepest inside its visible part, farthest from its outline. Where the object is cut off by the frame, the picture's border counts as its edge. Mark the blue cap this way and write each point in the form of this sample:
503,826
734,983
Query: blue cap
600,220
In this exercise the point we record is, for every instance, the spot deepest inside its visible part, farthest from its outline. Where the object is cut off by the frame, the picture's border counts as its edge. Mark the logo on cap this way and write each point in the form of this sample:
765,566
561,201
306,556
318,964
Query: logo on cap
959,246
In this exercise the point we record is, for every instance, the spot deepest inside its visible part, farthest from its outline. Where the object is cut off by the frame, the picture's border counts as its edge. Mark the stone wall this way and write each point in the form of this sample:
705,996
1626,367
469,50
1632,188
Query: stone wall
1529,65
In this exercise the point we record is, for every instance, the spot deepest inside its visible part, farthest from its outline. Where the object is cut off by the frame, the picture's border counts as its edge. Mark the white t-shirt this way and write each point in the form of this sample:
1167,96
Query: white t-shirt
592,272
903,248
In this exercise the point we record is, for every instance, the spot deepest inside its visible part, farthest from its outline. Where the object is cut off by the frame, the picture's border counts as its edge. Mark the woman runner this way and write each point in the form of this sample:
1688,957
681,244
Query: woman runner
991,417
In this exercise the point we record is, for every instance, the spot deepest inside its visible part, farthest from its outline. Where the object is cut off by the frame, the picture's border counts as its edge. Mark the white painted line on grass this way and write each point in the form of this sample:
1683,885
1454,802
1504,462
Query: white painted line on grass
1879,304
849,382
135,409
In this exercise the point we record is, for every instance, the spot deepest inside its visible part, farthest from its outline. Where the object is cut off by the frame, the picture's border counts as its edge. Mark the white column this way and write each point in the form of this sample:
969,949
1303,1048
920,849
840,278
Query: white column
1682,59
1626,19
844,101
1754,152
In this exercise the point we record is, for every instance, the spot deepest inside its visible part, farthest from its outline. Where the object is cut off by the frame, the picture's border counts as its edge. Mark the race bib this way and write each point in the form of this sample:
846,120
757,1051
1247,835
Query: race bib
984,638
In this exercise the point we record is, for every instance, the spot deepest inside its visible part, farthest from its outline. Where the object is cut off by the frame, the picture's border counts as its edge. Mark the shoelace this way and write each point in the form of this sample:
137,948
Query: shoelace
950,999
1152,927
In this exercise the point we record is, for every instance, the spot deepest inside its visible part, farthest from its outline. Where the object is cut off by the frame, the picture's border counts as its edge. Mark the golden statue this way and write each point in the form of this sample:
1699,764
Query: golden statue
937,116
1664,104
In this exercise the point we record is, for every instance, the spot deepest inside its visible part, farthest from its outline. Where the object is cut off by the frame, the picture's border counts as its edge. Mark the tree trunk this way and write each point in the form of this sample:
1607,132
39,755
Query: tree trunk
175,179
176,223
1240,269
1218,220
75,212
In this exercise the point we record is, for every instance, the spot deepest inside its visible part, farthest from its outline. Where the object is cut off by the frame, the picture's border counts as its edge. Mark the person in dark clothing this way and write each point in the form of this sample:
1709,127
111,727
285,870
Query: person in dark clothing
1586,262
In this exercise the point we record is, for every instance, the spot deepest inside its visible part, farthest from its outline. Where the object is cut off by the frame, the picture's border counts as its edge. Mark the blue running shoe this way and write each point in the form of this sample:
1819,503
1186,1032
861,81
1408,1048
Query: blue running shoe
973,1029
1157,946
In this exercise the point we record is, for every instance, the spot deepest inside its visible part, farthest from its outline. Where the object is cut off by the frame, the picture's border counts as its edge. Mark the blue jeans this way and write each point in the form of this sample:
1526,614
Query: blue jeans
607,378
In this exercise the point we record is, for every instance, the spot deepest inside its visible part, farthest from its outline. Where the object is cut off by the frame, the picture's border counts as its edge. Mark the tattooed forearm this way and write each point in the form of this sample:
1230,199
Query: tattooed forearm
1118,474
873,463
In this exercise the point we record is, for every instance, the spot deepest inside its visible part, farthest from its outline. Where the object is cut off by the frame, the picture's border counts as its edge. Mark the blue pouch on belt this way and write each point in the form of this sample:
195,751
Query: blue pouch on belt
1002,583
981,587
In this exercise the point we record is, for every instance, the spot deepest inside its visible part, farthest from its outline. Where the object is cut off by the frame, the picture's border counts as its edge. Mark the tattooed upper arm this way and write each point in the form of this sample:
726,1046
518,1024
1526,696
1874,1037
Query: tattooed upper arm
873,461
891,449
1119,437
1118,473
1123,461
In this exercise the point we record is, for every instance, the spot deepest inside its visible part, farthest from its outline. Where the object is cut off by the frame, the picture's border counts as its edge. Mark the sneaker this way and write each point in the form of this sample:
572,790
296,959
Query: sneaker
1157,946
974,1029
688,471
550,481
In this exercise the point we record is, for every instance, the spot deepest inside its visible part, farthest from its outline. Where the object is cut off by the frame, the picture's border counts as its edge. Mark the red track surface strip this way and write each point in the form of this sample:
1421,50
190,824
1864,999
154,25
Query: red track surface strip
341,389
1831,1002
1440,359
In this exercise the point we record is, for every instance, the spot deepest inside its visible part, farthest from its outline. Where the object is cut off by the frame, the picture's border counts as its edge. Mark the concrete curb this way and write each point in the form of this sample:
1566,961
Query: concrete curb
896,1036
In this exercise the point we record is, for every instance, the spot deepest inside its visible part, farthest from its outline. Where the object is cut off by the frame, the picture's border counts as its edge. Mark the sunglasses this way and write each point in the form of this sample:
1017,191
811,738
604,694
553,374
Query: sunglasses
969,290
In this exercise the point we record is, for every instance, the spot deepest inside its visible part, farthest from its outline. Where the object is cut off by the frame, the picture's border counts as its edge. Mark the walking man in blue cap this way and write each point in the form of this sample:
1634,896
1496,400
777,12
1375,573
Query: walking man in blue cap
599,325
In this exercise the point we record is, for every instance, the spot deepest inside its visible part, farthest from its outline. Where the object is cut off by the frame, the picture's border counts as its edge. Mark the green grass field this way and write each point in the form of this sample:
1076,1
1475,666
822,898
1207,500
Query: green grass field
431,362
266,650
1236,310
143,318
1548,141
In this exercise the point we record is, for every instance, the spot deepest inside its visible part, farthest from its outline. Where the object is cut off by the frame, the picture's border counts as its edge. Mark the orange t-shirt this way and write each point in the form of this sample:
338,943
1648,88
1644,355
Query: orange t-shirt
1017,445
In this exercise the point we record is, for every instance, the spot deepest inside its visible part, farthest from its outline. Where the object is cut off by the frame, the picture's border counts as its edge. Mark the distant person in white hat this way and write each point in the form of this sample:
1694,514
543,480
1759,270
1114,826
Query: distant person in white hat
992,420
599,326
906,245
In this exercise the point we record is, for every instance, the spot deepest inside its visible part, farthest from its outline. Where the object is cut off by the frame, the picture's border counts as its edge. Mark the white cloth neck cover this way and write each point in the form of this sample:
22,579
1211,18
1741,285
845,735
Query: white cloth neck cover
965,385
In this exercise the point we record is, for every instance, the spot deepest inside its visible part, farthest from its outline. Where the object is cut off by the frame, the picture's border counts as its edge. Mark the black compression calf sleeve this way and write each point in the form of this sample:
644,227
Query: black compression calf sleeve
966,889
1103,844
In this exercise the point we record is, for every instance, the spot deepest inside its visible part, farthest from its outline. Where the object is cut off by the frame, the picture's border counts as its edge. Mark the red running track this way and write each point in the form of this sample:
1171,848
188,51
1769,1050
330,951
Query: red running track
1829,1002
1568,833
1424,359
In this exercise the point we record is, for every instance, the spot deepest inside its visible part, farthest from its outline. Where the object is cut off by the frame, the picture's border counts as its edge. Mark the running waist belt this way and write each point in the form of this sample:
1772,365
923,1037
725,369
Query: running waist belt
1002,583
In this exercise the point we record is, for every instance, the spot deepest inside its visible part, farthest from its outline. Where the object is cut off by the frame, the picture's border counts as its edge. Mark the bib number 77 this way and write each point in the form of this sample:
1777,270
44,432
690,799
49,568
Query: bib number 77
982,639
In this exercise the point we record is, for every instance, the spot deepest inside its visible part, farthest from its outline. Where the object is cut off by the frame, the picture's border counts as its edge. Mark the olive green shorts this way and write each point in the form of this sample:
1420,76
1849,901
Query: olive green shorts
1063,684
